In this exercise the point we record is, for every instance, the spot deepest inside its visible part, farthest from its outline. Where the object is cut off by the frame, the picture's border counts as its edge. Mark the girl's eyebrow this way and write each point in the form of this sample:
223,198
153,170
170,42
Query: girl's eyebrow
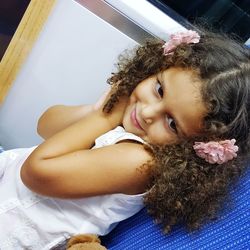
160,75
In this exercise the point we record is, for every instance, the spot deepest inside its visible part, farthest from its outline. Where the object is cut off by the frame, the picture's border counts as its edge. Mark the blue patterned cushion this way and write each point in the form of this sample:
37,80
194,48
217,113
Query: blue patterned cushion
230,231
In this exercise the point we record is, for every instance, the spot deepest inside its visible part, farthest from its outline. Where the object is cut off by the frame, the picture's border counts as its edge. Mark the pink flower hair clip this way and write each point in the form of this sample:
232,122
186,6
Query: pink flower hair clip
216,152
178,38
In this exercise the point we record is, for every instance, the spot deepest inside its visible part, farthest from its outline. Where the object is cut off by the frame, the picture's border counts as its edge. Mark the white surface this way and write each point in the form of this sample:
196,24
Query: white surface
69,64
147,16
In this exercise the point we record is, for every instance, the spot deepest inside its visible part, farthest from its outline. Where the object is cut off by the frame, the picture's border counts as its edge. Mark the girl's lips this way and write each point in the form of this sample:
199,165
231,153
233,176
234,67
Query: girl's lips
134,119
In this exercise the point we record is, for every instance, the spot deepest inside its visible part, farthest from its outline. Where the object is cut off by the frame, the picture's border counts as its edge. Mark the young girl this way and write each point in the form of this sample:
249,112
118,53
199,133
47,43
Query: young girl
173,133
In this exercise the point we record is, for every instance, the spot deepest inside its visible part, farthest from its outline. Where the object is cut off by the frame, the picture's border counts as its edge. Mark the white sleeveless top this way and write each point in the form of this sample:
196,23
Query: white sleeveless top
32,221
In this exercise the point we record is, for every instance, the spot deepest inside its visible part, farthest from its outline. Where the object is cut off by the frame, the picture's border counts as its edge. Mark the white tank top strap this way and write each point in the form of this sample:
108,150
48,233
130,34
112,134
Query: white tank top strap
114,136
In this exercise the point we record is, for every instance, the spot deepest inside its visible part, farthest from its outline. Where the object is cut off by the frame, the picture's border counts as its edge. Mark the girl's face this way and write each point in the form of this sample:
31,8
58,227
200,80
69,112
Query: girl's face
165,107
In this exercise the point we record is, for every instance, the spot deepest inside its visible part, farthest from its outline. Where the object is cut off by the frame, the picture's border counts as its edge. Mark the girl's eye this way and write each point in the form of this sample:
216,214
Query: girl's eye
159,89
171,124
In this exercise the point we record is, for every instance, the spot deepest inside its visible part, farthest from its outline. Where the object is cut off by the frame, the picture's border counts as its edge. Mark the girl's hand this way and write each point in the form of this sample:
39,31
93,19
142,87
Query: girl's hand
116,115
101,101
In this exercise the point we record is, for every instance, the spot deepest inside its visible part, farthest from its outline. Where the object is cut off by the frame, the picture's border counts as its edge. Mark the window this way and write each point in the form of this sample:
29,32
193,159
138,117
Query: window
230,16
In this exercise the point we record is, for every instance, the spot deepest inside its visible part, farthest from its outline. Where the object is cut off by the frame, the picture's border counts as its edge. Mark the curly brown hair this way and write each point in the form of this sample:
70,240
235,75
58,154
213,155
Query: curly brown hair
184,188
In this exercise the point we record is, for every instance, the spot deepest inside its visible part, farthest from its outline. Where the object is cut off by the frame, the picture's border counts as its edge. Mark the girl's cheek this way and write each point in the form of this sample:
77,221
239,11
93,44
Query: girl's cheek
161,136
157,136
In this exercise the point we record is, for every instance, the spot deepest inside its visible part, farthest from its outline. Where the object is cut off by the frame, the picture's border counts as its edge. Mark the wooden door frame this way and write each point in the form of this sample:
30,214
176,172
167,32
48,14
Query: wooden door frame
22,42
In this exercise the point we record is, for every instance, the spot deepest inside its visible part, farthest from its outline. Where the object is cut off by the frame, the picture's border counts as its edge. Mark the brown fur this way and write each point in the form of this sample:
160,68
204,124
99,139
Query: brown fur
85,242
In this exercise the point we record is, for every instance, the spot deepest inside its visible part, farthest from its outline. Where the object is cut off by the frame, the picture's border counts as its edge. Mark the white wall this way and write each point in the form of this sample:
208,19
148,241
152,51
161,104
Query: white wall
69,64
73,57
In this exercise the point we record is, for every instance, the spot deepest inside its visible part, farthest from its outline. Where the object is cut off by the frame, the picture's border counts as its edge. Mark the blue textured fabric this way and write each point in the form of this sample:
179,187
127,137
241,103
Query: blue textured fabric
230,231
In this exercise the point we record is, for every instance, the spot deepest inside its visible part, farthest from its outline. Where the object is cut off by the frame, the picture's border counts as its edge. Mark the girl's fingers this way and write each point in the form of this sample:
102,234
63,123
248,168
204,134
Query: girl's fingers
101,100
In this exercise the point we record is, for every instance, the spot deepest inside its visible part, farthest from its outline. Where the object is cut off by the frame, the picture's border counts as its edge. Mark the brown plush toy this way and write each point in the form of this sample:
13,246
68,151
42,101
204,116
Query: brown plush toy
85,242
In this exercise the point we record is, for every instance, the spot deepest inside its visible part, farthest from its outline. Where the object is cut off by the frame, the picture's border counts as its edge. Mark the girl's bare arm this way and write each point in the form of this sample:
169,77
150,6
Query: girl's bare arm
59,117
64,166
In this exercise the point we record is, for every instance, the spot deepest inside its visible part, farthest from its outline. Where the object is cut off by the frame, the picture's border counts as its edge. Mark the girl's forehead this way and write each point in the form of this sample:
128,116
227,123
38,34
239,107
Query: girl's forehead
181,78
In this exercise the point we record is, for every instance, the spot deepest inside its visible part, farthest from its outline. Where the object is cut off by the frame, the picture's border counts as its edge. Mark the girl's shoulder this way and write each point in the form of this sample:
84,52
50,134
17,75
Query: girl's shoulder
124,156
115,136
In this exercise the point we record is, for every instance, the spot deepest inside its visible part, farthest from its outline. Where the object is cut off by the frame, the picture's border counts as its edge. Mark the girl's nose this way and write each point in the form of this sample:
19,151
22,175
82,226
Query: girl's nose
150,112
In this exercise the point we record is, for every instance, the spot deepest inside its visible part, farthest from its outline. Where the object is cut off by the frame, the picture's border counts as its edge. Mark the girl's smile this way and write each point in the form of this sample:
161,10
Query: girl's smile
134,119
166,106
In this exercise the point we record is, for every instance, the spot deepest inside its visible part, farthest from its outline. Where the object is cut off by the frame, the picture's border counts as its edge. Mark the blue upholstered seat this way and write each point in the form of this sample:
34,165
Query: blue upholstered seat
230,231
